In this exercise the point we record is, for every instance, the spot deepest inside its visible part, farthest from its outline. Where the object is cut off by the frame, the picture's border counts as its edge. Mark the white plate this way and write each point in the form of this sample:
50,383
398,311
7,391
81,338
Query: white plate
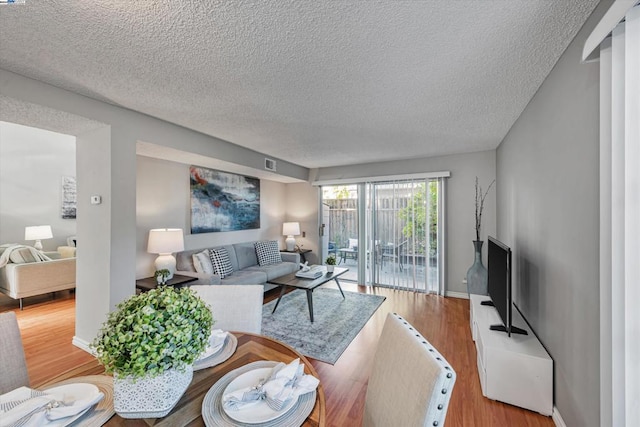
74,391
211,351
227,350
258,412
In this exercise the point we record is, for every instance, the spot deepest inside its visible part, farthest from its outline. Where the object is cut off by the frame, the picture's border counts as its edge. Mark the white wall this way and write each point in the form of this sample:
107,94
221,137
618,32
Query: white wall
460,201
97,267
548,212
163,201
110,255
32,164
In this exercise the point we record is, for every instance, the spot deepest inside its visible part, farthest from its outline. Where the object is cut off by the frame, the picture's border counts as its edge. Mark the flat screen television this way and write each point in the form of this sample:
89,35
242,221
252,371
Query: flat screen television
499,285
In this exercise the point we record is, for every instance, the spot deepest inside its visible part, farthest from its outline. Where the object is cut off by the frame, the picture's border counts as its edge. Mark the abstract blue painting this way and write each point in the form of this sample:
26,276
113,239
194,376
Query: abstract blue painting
222,201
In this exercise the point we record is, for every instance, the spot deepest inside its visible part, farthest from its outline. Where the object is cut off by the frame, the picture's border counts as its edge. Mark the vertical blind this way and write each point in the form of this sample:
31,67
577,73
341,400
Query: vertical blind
619,211
405,234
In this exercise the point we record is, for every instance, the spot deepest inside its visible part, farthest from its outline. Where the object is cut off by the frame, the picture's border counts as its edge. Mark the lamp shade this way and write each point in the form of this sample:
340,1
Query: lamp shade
38,232
165,240
291,229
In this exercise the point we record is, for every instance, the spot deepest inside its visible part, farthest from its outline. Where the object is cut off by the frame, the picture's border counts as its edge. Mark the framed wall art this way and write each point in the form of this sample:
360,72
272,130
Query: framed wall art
222,201
69,202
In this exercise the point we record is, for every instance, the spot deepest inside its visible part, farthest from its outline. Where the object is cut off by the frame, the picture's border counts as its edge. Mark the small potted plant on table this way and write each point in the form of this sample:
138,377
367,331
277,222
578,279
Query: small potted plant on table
331,263
161,276
149,343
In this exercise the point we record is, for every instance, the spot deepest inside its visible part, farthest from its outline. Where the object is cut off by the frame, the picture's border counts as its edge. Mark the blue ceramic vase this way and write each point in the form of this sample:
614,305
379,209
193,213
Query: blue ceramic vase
477,274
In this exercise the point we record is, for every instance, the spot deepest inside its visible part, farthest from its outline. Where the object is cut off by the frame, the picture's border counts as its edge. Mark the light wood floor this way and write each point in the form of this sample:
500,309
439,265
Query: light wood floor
48,326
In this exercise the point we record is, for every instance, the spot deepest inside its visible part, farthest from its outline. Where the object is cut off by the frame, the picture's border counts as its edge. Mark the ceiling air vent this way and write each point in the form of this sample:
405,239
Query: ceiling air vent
270,164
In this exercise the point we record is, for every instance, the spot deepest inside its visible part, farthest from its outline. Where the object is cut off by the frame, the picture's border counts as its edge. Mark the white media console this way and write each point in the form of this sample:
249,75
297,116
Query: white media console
515,370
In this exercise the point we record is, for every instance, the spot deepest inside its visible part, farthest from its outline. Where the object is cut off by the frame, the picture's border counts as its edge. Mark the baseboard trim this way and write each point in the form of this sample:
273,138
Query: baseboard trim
83,345
557,419
454,294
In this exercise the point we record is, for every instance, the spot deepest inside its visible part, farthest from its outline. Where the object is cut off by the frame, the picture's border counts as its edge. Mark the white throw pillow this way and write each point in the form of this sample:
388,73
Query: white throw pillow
202,262
22,256
268,252
221,262
67,251
353,243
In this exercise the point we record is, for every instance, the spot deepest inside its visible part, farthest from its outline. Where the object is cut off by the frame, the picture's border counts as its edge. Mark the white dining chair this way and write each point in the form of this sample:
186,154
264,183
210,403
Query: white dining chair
234,307
410,383
13,366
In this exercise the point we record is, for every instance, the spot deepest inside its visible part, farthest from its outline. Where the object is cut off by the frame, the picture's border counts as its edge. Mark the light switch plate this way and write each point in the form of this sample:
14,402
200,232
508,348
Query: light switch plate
96,200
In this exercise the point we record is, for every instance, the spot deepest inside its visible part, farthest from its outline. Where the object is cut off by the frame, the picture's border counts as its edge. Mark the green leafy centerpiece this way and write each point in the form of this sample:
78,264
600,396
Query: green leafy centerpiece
149,344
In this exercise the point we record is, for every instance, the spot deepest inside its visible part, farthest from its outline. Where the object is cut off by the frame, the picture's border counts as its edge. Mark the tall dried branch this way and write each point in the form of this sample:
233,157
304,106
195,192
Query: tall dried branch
480,196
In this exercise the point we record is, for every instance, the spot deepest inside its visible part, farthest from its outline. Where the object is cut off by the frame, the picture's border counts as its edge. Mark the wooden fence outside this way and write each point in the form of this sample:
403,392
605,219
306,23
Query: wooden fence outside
343,221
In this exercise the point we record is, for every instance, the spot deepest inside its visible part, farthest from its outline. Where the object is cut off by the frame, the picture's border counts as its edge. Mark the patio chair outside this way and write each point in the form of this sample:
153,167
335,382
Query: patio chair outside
349,253
332,250
395,254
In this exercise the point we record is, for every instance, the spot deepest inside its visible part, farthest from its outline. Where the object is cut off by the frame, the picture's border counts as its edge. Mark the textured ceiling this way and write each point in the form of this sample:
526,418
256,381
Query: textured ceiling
316,83
27,114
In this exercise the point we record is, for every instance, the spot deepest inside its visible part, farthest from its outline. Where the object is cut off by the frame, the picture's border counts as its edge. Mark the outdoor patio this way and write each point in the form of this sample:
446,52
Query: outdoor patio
391,275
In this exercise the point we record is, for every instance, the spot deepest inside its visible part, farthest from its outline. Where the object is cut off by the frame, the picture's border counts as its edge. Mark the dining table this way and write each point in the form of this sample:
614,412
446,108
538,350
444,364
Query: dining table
188,411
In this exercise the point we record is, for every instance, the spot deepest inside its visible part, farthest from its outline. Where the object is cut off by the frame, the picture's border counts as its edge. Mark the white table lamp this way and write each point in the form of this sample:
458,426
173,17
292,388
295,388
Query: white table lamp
165,241
291,229
37,233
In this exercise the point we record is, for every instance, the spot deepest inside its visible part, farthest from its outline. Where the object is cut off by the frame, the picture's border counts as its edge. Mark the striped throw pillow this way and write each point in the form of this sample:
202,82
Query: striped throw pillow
22,256
202,262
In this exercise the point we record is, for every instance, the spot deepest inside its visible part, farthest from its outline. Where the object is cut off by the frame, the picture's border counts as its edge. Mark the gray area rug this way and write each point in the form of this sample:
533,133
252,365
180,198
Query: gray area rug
336,323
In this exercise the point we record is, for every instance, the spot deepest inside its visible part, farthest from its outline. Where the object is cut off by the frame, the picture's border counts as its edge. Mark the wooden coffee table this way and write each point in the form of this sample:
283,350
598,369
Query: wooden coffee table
290,280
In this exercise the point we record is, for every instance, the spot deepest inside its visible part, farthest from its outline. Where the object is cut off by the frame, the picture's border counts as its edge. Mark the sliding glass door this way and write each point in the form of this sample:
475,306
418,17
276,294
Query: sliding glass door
401,243
403,234
341,222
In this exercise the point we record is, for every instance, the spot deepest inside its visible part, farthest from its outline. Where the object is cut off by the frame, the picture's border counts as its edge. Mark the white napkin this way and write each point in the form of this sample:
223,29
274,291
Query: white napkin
22,402
216,341
27,407
74,408
285,372
286,382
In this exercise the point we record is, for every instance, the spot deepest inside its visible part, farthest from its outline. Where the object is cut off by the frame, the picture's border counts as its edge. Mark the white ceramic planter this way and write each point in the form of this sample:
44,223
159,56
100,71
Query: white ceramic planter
150,397
330,268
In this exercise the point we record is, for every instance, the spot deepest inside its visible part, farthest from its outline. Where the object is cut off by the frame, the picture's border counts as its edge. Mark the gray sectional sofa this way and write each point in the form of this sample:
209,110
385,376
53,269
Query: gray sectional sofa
246,270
